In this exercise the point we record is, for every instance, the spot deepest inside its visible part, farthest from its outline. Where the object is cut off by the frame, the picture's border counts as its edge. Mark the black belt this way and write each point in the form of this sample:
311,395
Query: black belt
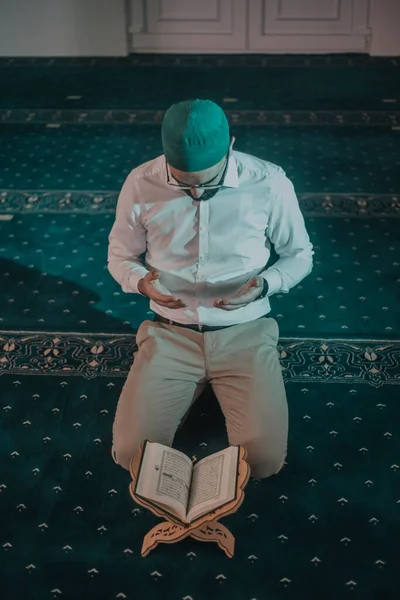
200,328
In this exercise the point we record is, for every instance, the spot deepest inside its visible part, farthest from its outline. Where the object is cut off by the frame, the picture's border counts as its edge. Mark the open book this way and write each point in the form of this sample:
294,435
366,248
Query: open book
168,479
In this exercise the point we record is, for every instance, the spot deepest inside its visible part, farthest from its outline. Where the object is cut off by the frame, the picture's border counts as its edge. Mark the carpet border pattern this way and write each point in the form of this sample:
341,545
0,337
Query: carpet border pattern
267,118
352,361
357,205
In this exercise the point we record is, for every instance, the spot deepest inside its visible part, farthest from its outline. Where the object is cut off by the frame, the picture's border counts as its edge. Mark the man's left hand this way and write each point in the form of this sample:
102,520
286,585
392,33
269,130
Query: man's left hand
246,294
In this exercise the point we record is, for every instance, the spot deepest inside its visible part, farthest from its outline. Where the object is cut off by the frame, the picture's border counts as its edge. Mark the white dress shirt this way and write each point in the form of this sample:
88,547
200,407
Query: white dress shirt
205,250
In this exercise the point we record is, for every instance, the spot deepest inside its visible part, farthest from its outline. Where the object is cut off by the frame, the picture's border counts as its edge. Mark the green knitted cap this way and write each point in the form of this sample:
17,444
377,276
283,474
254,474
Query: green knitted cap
195,135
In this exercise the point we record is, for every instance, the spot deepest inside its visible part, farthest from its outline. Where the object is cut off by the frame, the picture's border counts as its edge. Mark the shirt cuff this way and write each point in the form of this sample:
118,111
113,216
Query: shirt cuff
134,279
273,278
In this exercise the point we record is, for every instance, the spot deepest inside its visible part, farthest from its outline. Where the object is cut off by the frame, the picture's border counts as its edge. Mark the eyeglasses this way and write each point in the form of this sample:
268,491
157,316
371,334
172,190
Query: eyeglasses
203,186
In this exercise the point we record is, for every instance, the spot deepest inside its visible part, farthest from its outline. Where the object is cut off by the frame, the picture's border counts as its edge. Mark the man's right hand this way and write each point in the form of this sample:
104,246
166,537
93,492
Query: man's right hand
148,287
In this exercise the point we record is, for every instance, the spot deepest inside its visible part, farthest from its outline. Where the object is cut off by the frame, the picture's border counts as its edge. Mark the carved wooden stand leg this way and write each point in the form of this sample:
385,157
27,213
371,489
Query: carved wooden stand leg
166,533
215,532
169,533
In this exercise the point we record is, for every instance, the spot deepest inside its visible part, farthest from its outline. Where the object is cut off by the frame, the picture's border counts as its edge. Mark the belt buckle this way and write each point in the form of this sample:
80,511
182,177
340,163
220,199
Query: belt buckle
200,328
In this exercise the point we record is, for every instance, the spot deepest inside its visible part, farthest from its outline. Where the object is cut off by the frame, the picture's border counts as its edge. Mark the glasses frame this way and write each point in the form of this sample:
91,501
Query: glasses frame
204,186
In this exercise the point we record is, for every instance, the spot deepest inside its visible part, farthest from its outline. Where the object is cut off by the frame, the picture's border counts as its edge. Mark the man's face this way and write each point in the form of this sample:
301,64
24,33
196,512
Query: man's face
208,177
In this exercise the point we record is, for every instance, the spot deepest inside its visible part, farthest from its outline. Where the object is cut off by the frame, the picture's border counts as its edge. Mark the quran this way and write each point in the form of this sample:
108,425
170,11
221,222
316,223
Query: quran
168,479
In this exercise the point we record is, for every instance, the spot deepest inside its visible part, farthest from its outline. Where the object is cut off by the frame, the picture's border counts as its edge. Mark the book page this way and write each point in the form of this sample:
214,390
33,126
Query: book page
213,482
165,477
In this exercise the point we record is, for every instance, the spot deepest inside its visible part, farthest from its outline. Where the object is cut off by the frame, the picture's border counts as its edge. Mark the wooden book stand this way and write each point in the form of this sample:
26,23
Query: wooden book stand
206,528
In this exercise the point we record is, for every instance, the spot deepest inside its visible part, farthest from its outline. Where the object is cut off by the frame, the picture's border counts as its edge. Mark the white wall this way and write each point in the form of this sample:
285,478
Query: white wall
99,27
63,28
385,25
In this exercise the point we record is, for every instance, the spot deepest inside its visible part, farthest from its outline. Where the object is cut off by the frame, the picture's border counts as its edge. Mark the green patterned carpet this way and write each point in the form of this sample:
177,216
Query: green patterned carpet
328,525
55,278
85,83
99,157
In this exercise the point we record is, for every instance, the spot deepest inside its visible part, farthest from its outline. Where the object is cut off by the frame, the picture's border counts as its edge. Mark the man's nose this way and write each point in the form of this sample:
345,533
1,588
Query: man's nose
197,192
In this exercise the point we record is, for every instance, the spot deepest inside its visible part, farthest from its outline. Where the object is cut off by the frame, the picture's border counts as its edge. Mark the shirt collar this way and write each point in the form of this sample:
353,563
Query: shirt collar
231,175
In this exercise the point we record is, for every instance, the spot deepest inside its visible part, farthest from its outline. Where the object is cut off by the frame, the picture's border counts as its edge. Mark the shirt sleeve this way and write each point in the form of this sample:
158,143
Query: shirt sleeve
127,240
287,231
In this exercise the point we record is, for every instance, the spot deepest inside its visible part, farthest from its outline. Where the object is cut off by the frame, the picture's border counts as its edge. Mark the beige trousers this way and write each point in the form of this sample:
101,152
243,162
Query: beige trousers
174,364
